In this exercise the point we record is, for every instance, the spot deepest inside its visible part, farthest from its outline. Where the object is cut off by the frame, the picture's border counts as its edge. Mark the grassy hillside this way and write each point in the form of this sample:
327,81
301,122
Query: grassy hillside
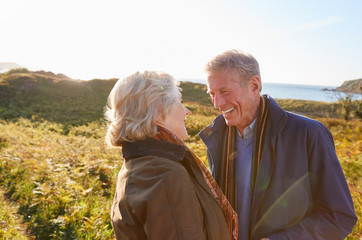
60,99
55,97
51,97
62,185
352,86
57,177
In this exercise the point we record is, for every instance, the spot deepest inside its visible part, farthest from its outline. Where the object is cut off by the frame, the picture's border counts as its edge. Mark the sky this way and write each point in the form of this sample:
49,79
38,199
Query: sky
297,42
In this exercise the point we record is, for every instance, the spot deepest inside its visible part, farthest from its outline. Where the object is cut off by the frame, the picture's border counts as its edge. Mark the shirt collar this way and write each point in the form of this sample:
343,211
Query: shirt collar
248,131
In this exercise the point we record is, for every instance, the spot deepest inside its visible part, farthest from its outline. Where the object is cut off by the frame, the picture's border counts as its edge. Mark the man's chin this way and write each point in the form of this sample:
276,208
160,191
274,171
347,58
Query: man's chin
229,122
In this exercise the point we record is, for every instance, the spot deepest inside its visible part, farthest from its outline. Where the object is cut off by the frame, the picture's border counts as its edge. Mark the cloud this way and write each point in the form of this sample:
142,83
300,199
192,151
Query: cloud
312,25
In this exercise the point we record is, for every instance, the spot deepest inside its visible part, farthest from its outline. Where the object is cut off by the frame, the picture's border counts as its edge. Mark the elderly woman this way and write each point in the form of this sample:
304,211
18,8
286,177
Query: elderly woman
163,190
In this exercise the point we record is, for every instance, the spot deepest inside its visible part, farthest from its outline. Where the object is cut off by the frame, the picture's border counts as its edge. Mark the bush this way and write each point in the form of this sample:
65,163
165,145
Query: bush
64,184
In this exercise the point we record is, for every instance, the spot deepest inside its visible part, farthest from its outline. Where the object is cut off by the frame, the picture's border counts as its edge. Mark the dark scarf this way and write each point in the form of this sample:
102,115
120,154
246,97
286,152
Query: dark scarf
227,168
230,214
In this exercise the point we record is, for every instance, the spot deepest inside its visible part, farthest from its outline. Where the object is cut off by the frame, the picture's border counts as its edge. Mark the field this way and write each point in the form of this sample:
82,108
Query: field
59,184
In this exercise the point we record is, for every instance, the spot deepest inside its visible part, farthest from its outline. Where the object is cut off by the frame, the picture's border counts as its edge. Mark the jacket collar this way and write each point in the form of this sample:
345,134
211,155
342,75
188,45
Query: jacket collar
217,128
277,117
153,147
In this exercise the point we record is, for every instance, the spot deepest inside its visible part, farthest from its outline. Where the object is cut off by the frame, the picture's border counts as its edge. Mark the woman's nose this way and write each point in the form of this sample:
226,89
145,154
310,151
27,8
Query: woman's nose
187,111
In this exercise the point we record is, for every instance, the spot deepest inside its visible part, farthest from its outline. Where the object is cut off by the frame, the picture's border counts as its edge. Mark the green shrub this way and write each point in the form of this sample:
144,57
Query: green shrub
64,184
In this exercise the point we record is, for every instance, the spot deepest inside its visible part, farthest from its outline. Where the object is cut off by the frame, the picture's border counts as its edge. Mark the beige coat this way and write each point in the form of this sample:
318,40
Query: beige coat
164,196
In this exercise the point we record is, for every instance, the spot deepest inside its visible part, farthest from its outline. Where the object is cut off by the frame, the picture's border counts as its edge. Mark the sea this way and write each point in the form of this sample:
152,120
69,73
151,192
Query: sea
298,91
305,92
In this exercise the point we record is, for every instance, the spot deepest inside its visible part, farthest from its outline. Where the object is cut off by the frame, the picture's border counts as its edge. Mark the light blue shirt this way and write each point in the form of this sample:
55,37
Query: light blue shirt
244,148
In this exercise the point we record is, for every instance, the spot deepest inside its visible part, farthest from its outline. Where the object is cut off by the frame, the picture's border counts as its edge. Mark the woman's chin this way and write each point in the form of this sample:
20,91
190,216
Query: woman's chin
184,136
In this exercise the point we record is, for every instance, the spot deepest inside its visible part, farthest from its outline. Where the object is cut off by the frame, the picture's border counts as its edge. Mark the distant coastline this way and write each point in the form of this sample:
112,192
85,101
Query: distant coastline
304,92
298,91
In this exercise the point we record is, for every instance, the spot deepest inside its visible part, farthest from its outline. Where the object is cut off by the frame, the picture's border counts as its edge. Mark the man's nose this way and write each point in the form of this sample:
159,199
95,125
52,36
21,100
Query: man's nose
218,101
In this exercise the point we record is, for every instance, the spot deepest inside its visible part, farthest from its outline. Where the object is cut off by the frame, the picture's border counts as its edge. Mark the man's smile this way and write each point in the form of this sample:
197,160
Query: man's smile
227,111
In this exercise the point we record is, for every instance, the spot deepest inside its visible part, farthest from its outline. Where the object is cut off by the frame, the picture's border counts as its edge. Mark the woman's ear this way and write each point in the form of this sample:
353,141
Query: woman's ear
160,120
255,84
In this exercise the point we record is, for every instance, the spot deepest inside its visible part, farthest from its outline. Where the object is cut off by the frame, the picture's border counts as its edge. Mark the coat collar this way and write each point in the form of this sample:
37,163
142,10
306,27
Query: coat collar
175,152
153,147
277,117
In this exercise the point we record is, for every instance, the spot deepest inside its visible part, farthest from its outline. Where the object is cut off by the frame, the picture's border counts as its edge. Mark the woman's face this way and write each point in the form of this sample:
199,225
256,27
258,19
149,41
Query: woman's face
175,120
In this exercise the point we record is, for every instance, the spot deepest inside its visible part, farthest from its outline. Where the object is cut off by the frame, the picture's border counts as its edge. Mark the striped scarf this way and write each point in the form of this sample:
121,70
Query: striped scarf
227,167
230,214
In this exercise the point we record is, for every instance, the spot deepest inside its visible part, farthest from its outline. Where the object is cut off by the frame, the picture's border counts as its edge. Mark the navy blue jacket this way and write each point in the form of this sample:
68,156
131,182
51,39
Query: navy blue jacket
300,189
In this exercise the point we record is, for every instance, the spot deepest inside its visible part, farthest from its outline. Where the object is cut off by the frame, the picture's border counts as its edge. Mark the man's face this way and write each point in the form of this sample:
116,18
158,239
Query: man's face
236,101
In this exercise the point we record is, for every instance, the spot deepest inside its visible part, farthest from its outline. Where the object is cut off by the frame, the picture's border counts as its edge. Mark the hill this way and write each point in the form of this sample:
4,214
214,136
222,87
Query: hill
57,180
53,97
58,98
351,86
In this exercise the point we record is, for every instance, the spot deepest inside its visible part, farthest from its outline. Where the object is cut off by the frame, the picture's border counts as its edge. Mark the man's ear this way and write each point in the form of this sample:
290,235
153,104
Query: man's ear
255,84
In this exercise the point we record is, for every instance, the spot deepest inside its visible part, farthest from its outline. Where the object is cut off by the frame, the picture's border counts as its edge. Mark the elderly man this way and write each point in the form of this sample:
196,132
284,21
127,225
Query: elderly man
279,170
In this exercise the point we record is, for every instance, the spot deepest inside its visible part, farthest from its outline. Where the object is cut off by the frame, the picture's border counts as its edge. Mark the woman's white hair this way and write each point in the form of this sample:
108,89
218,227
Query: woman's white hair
135,104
